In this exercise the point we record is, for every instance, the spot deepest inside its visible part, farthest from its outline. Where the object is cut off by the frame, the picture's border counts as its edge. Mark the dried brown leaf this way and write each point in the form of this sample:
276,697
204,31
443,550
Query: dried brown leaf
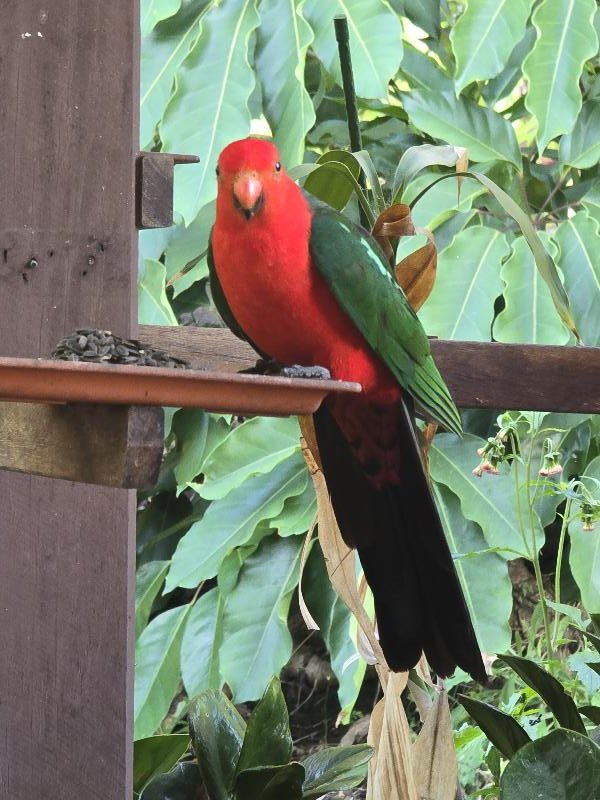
392,223
390,775
416,273
308,618
462,165
434,759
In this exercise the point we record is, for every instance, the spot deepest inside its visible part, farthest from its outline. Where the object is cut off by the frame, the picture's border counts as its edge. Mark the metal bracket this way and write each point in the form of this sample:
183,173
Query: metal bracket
154,187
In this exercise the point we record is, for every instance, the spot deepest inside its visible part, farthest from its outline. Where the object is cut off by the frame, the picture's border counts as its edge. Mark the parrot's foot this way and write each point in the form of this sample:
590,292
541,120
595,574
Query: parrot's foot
266,366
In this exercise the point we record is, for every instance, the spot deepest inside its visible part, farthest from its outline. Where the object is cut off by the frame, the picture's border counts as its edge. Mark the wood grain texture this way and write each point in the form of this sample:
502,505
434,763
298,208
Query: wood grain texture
119,446
479,374
68,126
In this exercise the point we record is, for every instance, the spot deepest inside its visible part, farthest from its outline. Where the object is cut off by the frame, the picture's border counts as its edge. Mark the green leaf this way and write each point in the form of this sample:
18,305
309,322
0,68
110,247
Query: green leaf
268,739
256,640
205,115
153,306
270,783
504,83
338,629
425,14
560,766
283,39
484,578
187,245
549,689
565,40
584,556
162,53
182,783
254,447
592,713
422,72
581,147
488,501
375,41
153,11
298,512
529,314
157,671
148,580
217,731
202,638
333,179
441,203
579,242
155,755
461,122
191,427
591,203
231,521
418,158
335,769
461,305
484,36
501,729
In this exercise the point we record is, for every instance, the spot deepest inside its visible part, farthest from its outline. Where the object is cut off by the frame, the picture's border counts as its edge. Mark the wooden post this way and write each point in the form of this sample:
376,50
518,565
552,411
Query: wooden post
68,251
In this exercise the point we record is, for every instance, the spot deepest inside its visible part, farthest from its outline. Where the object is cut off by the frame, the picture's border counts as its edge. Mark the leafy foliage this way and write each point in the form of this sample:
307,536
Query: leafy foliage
516,85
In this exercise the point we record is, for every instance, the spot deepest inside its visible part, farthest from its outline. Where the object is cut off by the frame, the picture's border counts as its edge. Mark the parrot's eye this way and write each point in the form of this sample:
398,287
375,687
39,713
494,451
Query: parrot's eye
278,166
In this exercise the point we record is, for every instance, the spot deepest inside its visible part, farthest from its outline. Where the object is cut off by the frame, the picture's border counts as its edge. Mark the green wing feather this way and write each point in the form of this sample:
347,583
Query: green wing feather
359,276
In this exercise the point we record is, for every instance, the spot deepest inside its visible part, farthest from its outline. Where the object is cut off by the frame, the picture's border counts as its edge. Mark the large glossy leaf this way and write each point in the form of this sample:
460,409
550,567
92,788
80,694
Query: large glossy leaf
579,260
231,521
461,305
298,512
153,11
162,53
256,640
182,783
254,447
484,36
505,82
549,689
270,783
565,40
591,202
157,670
338,629
581,147
422,72
282,41
425,14
335,769
560,766
442,202
153,306
205,115
422,156
191,428
483,575
375,41
529,314
461,122
488,501
200,644
268,739
584,556
155,755
217,730
148,580
502,730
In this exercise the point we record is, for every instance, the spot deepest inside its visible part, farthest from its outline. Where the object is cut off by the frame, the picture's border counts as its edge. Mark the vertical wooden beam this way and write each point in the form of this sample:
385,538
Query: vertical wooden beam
68,247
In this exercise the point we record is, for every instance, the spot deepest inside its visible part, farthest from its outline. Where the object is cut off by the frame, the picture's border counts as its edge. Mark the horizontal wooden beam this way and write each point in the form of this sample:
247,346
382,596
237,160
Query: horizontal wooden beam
119,446
479,374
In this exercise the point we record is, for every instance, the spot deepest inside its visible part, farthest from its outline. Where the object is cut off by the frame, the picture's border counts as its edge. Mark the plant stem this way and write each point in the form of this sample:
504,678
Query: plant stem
343,41
535,553
559,558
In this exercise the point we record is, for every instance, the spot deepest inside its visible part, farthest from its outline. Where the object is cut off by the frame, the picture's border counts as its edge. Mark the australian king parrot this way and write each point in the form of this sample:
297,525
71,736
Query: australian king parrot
306,286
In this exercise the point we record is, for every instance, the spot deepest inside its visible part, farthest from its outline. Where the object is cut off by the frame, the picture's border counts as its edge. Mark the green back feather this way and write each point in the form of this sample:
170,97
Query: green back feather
358,274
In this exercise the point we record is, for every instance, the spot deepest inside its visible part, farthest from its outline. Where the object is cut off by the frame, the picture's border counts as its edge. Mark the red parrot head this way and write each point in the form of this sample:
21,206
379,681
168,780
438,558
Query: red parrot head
248,170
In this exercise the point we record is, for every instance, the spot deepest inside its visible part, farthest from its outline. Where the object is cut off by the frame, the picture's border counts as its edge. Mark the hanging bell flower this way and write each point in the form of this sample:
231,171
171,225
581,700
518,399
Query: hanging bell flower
492,454
551,463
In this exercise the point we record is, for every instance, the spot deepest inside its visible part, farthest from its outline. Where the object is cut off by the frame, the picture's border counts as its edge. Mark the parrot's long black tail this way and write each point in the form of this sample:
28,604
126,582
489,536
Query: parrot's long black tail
402,547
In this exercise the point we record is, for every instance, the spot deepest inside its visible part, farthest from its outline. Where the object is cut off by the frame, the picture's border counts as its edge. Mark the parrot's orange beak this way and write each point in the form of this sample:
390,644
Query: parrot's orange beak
248,194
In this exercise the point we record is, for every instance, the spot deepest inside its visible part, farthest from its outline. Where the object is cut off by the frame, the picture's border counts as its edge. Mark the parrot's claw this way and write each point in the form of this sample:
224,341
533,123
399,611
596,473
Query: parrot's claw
266,366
